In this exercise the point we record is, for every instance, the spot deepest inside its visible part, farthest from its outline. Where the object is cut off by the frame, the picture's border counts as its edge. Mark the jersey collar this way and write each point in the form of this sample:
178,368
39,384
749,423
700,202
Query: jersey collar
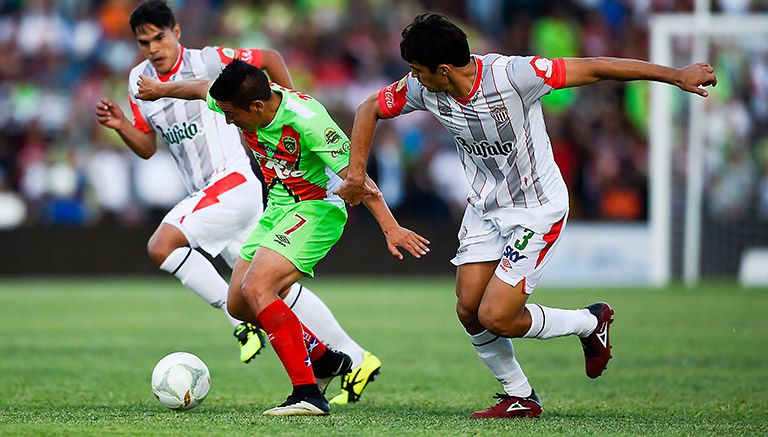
476,84
175,69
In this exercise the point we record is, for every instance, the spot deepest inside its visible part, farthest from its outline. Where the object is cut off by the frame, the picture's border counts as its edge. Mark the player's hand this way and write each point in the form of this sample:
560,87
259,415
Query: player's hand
695,76
149,88
109,114
400,237
353,191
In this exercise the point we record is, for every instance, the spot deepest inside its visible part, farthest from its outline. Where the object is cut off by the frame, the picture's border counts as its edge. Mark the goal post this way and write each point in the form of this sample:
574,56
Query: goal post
703,28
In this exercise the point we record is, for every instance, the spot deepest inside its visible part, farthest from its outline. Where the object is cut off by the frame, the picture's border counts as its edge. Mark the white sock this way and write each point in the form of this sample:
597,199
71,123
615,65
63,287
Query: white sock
199,275
553,322
320,320
499,355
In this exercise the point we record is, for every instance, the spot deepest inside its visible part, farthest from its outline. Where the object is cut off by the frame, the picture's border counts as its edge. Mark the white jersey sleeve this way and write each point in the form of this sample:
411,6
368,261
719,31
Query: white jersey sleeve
535,76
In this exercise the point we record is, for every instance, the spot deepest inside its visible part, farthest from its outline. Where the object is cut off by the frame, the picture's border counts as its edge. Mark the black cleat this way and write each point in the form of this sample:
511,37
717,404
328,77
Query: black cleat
333,363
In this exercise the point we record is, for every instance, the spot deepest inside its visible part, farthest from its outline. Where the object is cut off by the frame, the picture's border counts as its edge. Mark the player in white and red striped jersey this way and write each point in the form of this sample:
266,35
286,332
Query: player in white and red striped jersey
518,202
225,197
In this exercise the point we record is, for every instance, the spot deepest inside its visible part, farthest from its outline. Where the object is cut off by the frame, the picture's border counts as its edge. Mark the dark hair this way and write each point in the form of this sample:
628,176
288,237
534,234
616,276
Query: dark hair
154,12
432,40
241,83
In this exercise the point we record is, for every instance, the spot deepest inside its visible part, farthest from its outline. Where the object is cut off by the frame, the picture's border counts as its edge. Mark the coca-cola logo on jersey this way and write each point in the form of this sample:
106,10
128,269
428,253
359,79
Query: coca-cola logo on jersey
177,134
485,148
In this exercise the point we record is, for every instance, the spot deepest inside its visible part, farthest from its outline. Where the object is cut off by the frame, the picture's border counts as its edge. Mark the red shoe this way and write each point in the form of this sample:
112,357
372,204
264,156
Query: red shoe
597,346
512,406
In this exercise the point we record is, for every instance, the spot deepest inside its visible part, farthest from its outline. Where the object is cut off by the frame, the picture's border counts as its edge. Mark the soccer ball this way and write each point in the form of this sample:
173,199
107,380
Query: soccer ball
181,381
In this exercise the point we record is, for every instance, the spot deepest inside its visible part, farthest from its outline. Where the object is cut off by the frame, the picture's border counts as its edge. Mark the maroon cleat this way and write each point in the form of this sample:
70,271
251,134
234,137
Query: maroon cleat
597,346
512,406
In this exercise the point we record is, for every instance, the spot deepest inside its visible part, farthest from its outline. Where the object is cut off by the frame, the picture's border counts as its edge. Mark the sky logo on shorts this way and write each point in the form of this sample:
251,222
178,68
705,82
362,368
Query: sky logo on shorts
512,254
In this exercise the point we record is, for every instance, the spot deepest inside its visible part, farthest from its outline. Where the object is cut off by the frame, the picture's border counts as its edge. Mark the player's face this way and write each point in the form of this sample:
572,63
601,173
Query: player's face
434,82
244,119
159,45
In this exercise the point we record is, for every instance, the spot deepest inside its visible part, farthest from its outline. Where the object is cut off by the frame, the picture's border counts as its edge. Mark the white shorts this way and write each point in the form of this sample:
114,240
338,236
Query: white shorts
522,252
221,215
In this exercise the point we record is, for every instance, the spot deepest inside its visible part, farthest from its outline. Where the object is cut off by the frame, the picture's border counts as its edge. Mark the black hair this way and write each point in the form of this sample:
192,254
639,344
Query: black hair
154,12
241,83
432,40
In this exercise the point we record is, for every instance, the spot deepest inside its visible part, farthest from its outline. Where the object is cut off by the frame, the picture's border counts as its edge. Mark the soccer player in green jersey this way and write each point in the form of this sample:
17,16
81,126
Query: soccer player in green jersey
303,155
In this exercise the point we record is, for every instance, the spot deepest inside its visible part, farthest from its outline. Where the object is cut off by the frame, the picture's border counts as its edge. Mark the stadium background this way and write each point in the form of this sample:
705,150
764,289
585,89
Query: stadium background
74,199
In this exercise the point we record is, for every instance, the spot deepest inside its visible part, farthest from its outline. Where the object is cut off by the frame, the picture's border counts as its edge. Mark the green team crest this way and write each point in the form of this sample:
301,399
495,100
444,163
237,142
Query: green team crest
289,144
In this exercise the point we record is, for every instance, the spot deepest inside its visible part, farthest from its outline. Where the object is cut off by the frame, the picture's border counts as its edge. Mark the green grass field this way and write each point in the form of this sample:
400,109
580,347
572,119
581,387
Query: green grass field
76,358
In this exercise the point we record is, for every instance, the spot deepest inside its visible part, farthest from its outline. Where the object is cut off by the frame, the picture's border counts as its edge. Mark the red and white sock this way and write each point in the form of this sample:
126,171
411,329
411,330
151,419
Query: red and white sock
315,314
287,339
315,347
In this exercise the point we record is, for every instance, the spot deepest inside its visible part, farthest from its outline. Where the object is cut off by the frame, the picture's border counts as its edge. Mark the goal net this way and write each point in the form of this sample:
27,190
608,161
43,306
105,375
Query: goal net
709,157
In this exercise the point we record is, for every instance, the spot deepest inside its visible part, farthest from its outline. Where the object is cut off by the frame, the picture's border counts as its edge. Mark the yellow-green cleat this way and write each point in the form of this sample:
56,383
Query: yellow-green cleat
354,382
251,340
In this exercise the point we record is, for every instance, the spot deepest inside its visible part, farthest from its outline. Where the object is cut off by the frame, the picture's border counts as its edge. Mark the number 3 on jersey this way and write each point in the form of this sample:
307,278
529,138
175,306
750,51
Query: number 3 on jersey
295,227
522,243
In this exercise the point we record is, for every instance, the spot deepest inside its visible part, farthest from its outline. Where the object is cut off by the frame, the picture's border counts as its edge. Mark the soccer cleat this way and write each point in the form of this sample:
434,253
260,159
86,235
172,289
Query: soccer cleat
331,364
354,382
297,404
251,339
597,346
512,406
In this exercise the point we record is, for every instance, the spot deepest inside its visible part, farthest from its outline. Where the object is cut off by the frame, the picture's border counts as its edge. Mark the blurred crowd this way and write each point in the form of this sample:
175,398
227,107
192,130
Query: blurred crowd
58,57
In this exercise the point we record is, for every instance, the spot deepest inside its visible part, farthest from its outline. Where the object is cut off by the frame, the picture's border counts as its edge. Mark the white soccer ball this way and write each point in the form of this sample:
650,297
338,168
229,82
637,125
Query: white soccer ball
181,381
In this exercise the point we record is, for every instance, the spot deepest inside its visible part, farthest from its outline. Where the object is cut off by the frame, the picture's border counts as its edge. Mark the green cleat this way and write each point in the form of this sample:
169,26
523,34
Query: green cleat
251,339
354,382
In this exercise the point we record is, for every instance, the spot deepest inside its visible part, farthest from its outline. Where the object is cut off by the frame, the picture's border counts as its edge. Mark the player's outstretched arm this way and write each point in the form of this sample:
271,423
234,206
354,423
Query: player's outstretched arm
396,235
110,115
153,89
273,64
584,71
354,188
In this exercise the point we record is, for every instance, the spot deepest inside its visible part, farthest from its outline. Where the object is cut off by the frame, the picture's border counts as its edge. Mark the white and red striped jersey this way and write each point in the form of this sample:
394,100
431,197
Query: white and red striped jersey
203,145
498,129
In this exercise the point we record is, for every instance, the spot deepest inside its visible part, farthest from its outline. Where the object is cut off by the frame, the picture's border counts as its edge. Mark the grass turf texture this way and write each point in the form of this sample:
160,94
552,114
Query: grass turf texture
76,358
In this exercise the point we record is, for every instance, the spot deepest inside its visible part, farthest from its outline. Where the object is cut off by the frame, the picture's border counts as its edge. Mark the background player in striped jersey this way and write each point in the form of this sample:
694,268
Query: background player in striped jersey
518,203
225,197
302,153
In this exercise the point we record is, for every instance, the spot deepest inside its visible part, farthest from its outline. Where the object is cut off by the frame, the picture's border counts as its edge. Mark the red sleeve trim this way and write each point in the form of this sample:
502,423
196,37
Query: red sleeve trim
558,73
551,71
392,98
138,119
251,56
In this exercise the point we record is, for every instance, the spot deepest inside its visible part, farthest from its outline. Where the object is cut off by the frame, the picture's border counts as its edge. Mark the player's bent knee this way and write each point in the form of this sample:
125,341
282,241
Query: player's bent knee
257,296
467,316
159,251
502,324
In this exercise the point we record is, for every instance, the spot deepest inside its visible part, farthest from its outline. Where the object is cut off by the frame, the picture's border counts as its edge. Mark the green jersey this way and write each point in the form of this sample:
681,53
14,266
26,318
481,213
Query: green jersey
300,151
